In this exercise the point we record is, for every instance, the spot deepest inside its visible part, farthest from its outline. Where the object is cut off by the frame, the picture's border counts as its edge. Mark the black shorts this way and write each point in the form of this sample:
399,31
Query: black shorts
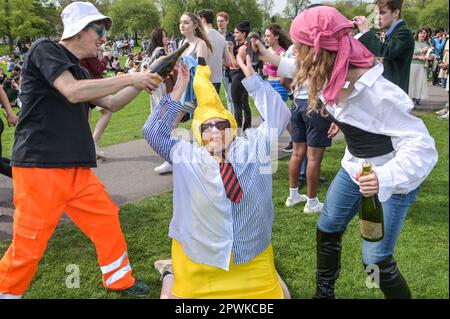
311,129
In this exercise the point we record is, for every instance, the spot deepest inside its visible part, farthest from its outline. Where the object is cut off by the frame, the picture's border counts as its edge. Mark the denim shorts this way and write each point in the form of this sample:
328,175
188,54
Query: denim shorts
311,129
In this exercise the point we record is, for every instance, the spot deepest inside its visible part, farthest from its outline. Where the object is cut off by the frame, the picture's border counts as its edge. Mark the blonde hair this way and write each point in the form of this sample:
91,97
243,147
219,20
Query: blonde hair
314,73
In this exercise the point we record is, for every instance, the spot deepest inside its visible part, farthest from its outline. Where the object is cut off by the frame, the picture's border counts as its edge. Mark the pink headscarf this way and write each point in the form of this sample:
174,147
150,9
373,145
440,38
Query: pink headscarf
326,28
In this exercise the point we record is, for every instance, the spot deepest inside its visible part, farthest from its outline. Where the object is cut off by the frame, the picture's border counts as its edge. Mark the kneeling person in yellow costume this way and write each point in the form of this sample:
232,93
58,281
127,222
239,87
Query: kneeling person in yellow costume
223,210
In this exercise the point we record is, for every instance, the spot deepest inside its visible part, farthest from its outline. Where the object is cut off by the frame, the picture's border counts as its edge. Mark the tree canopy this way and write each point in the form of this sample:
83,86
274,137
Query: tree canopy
27,20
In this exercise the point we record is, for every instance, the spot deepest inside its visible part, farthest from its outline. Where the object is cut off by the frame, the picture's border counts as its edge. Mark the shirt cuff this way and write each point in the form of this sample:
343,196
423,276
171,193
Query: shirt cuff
287,68
252,83
385,183
360,34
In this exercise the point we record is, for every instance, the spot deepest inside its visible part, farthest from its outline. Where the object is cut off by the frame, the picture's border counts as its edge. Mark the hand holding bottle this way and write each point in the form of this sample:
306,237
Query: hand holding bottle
371,217
368,185
146,81
182,82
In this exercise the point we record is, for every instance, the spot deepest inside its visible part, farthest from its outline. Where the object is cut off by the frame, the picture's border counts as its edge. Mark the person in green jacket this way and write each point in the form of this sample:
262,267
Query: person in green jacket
397,49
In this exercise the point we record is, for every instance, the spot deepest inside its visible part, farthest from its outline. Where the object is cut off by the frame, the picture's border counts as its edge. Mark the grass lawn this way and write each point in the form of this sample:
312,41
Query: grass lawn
422,250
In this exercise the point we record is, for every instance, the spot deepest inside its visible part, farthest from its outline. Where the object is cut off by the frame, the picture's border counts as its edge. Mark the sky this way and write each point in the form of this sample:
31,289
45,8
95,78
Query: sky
280,4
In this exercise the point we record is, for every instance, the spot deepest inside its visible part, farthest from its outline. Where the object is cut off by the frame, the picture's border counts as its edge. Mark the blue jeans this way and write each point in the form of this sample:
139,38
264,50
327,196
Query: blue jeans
342,204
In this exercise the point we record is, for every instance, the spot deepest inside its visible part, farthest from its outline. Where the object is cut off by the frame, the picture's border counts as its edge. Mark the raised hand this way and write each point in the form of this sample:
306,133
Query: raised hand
362,23
182,82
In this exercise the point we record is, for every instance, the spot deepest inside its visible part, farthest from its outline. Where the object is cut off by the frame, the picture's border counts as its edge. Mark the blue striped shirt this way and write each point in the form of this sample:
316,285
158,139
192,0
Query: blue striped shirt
208,226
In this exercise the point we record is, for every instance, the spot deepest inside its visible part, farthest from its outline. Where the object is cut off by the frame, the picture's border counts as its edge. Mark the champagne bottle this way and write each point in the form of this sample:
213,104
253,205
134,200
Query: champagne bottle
371,221
165,65
252,48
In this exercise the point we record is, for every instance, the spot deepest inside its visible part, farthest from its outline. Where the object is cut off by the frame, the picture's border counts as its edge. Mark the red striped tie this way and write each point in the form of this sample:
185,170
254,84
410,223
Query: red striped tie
231,183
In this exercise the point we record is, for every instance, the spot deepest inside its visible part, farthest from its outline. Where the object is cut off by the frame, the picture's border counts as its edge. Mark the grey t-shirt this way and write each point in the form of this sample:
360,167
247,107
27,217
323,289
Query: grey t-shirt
215,61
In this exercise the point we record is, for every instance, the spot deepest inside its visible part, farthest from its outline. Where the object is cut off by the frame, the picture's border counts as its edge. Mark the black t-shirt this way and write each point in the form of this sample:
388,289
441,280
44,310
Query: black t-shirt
52,132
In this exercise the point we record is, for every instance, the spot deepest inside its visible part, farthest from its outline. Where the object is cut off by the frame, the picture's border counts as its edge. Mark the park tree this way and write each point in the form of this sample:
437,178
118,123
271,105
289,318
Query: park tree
171,11
282,21
294,7
135,18
101,5
26,19
266,8
435,14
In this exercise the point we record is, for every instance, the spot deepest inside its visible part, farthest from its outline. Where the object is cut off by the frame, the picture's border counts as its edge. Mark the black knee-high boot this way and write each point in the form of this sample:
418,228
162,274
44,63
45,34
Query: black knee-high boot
392,283
328,263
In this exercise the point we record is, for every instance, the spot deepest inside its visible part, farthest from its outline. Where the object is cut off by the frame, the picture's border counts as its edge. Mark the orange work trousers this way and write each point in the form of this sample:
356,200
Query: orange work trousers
40,198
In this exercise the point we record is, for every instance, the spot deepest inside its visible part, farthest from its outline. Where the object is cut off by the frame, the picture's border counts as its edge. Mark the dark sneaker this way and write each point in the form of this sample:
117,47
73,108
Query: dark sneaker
289,148
139,289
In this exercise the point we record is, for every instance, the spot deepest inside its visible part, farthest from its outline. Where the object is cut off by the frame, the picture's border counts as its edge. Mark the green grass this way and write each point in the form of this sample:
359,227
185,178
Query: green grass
4,49
422,250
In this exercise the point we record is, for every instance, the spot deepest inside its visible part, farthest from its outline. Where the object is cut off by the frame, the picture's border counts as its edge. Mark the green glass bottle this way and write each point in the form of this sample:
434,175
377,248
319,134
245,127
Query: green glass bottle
371,221
165,65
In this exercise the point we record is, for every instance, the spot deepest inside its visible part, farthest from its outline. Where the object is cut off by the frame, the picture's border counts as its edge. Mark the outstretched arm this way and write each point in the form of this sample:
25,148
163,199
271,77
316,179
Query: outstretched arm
158,128
269,103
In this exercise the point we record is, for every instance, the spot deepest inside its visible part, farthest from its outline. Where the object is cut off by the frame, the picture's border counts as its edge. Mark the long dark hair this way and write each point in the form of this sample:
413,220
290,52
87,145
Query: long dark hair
283,38
156,39
199,31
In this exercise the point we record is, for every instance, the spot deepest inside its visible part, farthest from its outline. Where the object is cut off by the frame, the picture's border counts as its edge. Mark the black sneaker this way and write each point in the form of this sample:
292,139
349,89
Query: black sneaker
289,148
139,289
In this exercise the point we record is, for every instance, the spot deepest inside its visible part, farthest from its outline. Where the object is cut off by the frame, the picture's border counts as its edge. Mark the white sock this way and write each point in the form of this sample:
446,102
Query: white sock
313,202
294,193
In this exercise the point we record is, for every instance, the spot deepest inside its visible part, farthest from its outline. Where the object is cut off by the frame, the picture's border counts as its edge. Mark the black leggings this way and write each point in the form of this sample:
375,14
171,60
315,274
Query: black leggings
240,100
5,164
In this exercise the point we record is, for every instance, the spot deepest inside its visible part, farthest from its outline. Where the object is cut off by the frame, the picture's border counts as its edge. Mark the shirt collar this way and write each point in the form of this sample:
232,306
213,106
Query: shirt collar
369,78
391,29
366,80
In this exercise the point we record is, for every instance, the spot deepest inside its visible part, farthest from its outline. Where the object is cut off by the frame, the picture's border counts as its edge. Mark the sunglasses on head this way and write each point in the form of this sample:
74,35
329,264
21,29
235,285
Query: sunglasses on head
222,125
100,30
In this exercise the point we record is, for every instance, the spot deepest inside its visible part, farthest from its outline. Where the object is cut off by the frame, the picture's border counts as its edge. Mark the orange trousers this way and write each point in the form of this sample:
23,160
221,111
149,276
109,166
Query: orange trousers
40,198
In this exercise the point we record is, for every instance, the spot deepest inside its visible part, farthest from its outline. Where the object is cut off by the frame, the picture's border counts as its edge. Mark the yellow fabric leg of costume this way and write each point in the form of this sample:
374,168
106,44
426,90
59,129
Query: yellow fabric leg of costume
256,279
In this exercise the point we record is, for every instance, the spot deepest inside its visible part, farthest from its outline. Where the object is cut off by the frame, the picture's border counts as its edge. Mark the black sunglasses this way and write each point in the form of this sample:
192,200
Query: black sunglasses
222,125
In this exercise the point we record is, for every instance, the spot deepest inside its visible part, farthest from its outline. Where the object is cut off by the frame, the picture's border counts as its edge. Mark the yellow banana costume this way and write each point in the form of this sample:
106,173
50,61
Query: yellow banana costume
256,279
209,104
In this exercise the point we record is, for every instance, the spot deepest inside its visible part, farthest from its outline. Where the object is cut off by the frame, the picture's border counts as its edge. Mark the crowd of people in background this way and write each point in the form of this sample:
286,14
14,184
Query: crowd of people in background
430,60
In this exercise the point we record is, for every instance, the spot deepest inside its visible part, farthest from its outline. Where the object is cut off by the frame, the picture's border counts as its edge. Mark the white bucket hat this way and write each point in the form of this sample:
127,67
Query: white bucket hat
77,15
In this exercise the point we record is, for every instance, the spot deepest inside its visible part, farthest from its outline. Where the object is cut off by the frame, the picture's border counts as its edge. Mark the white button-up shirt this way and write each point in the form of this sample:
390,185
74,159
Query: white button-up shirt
205,222
378,106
